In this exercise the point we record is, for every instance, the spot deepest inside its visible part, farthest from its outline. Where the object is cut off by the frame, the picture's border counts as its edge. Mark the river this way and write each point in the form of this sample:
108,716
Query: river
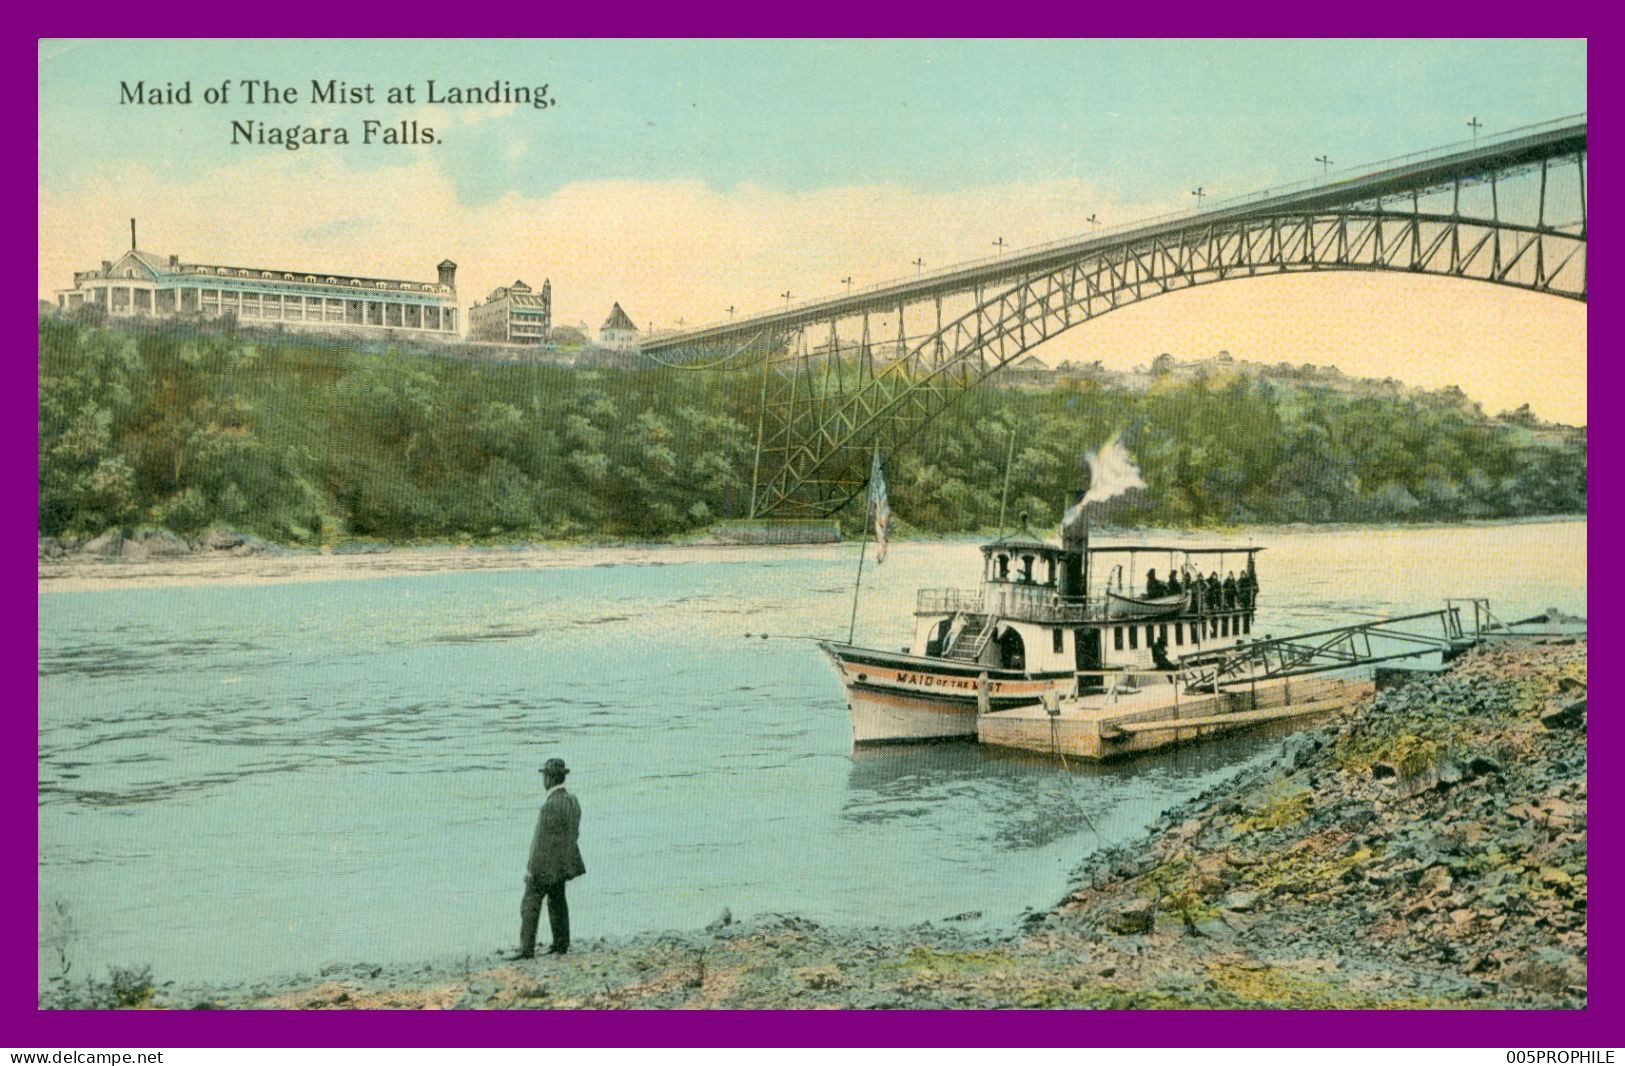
239,781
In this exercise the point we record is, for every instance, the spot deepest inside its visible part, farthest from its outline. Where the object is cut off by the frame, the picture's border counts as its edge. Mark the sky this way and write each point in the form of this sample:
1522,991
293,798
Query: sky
682,178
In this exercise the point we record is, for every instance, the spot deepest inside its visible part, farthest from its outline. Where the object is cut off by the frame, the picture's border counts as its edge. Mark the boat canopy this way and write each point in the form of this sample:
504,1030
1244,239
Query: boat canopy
1132,548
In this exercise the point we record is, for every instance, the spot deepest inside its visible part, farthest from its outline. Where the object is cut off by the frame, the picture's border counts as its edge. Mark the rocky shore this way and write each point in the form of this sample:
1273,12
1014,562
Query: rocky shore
1425,849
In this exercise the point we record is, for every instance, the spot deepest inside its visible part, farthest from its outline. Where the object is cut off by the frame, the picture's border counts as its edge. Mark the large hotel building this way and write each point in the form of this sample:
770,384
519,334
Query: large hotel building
142,284
513,314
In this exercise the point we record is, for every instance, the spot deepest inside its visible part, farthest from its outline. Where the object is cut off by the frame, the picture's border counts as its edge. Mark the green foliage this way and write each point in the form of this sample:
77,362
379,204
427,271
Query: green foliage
301,442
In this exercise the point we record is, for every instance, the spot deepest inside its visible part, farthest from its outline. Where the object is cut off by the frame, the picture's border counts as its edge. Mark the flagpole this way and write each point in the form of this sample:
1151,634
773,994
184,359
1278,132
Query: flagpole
868,509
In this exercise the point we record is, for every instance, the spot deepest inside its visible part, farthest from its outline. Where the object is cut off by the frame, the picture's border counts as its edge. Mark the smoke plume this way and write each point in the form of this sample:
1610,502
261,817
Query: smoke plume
1111,473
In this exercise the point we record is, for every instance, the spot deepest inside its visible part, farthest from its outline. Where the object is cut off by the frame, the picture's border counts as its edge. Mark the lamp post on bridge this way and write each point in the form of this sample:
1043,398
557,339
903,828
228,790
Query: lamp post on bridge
919,266
1199,193
1475,125
730,310
847,281
1325,165
999,244
786,295
1094,221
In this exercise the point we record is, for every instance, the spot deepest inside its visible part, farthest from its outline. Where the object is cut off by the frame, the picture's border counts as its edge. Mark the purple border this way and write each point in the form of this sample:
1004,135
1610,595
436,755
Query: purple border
26,1026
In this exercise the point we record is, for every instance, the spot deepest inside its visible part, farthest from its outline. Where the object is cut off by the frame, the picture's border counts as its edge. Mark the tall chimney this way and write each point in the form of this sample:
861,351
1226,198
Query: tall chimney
132,234
1075,549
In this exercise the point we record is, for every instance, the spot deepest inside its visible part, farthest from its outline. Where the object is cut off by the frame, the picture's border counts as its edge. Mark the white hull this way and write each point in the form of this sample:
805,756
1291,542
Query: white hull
878,718
899,697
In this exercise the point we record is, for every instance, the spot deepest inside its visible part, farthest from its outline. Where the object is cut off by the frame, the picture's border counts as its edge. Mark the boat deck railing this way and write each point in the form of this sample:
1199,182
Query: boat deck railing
1014,602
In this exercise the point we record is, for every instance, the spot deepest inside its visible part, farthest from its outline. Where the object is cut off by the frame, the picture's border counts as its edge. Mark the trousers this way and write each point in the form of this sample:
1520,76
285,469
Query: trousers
530,912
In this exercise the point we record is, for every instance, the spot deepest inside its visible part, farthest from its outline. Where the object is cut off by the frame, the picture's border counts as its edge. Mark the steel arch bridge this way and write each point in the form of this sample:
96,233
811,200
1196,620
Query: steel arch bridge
842,376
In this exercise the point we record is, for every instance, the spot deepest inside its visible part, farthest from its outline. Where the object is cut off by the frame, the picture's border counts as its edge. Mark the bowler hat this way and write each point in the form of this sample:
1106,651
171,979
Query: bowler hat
554,768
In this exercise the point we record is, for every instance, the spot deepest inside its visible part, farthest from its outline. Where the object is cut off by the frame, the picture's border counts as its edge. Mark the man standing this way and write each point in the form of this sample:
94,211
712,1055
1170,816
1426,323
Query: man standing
554,859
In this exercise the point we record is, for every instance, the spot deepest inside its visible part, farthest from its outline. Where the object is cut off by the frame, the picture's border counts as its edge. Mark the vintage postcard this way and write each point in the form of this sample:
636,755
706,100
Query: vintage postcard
812,524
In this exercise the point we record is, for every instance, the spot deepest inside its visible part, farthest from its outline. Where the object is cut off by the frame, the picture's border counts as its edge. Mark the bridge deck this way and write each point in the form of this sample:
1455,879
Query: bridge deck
1373,181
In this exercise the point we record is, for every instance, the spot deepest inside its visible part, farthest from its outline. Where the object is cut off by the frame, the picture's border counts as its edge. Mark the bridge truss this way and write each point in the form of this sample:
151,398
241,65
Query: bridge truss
843,376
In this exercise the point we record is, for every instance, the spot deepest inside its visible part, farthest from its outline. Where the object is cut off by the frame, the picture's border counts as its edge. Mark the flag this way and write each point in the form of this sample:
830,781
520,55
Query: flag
879,509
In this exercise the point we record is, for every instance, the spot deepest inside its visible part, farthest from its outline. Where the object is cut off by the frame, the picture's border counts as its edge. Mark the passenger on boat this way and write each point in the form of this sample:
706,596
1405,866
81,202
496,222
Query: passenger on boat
1247,587
1215,591
1230,590
1153,587
1159,654
1173,585
1198,593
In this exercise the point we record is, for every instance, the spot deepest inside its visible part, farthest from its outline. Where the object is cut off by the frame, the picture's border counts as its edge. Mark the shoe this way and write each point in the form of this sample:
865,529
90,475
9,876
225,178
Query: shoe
559,949
516,956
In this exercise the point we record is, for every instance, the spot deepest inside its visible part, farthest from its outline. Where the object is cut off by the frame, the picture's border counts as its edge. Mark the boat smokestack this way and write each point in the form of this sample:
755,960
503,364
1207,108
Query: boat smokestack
1075,545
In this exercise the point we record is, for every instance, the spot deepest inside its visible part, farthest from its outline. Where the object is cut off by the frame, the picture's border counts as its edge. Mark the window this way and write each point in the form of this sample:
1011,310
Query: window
287,277
1133,636
1059,645
265,273
310,277
1117,637
242,273
1162,632
1224,626
1179,633
332,281
1246,623
355,281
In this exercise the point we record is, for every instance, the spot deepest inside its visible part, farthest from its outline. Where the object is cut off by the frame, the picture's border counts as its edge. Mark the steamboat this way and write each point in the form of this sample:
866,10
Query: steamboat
1047,621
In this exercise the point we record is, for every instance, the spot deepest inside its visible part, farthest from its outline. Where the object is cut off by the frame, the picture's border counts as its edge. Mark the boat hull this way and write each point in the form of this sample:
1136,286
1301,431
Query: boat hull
896,697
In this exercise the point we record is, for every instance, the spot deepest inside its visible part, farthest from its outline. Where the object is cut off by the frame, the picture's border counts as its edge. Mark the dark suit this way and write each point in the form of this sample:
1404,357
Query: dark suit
554,859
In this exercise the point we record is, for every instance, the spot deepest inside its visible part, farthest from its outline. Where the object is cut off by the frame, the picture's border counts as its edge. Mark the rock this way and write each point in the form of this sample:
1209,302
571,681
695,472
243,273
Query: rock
1215,928
1449,774
1356,815
1239,901
1482,765
163,544
964,916
1551,971
1135,916
1571,715
725,919
1381,771
1435,879
106,545
219,540
1298,749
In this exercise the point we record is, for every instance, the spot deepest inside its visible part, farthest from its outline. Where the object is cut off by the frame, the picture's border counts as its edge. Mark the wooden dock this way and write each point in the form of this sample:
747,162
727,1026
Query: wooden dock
1126,722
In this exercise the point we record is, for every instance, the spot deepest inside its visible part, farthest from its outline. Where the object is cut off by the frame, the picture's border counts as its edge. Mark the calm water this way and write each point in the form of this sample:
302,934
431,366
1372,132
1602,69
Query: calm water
243,781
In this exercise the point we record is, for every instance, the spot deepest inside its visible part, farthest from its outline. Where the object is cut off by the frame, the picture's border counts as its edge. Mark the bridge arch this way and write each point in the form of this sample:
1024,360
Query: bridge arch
1510,214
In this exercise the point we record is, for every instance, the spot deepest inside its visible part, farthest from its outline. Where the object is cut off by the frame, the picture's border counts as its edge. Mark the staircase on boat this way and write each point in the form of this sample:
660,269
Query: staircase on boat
971,640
